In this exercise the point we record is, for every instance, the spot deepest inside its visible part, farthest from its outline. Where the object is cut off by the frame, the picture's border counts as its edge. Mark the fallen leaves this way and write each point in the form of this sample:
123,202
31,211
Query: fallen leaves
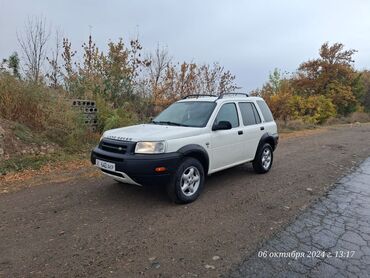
51,172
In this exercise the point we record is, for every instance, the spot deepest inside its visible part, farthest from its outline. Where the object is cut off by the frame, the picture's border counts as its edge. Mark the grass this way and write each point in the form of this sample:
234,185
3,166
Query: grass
35,162
293,125
299,124
26,135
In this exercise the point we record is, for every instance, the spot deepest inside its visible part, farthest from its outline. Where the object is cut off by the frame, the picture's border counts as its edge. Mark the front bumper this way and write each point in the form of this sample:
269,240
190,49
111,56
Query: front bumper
275,137
139,168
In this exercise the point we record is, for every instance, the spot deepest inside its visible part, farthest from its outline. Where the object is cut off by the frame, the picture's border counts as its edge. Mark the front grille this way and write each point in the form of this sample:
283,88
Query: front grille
113,146
108,158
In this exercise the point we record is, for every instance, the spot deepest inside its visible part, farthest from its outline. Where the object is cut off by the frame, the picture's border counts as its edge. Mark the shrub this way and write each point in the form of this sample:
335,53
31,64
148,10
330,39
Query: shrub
293,125
312,109
335,121
44,110
23,133
64,126
21,101
356,117
120,118
361,117
104,112
109,118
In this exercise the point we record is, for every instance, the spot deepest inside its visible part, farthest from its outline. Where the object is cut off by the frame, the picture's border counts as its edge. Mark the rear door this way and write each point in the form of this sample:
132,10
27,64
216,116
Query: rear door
252,128
268,120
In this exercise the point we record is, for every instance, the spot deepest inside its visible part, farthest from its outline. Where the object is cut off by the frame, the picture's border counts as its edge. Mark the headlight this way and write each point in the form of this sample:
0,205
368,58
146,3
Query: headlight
150,147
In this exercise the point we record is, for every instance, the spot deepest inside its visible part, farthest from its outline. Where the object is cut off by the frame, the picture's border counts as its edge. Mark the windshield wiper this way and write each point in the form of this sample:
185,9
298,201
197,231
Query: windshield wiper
167,123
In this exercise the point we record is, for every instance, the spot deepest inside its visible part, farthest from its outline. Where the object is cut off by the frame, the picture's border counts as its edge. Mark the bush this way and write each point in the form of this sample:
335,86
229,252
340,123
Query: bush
21,101
293,125
44,110
120,118
356,117
335,121
109,118
65,126
360,117
312,109
23,133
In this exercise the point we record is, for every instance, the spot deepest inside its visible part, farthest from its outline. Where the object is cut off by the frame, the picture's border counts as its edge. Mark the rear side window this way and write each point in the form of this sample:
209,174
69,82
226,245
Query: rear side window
228,113
267,115
249,113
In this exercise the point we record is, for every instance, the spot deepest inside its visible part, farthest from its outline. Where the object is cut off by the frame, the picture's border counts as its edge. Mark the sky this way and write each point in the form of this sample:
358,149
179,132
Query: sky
249,38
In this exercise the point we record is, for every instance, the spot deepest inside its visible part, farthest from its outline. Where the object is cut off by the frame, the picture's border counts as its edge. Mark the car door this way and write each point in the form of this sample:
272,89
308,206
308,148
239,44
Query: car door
226,144
252,128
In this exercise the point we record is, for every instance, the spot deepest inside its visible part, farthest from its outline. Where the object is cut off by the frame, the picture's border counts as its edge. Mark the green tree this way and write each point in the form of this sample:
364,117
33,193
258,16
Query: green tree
275,80
13,64
365,79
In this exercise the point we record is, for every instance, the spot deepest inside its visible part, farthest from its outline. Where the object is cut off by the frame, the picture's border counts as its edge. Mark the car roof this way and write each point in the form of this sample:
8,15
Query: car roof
223,99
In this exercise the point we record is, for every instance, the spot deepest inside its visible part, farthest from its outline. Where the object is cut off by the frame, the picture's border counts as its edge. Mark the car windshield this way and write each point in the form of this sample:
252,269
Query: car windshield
187,113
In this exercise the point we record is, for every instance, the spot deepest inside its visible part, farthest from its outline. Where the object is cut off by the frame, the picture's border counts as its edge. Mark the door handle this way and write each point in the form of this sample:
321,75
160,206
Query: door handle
240,132
262,128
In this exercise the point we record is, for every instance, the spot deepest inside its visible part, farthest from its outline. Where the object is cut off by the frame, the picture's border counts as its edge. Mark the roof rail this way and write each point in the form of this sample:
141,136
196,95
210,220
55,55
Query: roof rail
198,95
243,94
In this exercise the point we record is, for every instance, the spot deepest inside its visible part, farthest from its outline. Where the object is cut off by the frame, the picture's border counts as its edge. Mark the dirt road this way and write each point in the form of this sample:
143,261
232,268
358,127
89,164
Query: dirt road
98,228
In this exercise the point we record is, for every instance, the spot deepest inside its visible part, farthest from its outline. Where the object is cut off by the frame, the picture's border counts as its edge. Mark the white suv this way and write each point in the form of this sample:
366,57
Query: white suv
194,137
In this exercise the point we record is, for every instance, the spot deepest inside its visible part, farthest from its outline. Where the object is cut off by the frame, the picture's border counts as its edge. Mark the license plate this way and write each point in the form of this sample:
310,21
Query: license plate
105,165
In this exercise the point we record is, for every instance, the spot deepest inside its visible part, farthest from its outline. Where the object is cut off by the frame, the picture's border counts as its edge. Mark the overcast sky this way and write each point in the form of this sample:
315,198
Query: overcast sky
250,38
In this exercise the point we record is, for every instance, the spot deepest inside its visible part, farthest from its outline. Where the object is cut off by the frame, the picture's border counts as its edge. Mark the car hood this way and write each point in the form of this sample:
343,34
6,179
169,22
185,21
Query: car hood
151,132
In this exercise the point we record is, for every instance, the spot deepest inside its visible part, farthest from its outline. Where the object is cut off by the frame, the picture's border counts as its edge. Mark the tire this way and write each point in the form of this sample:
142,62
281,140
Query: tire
263,161
188,182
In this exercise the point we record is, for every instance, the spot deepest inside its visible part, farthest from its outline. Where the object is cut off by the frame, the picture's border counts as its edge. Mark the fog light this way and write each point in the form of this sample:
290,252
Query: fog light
160,169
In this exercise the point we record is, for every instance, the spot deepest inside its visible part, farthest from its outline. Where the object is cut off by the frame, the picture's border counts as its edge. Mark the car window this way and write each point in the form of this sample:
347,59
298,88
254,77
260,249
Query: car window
249,113
256,114
228,113
267,115
188,113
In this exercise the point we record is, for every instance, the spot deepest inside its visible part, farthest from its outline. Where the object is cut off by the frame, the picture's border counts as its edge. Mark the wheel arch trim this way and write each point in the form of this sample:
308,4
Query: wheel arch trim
196,151
267,137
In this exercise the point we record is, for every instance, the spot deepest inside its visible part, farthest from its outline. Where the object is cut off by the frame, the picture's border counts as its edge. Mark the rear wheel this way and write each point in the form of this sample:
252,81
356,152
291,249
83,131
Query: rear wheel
263,161
188,182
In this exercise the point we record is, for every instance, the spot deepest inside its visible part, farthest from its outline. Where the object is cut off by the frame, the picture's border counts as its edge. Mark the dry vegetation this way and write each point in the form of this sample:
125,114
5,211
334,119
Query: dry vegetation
129,86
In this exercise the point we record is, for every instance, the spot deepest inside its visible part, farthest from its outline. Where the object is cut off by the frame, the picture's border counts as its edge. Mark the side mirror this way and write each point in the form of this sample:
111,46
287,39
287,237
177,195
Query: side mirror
222,125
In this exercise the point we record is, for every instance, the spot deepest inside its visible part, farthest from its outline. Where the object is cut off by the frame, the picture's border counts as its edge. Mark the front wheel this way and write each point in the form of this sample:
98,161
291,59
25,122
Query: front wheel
188,182
263,161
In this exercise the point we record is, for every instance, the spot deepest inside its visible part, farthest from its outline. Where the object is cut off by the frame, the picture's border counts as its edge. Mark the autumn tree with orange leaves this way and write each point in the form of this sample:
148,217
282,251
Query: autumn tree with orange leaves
321,88
331,75
170,82
130,87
